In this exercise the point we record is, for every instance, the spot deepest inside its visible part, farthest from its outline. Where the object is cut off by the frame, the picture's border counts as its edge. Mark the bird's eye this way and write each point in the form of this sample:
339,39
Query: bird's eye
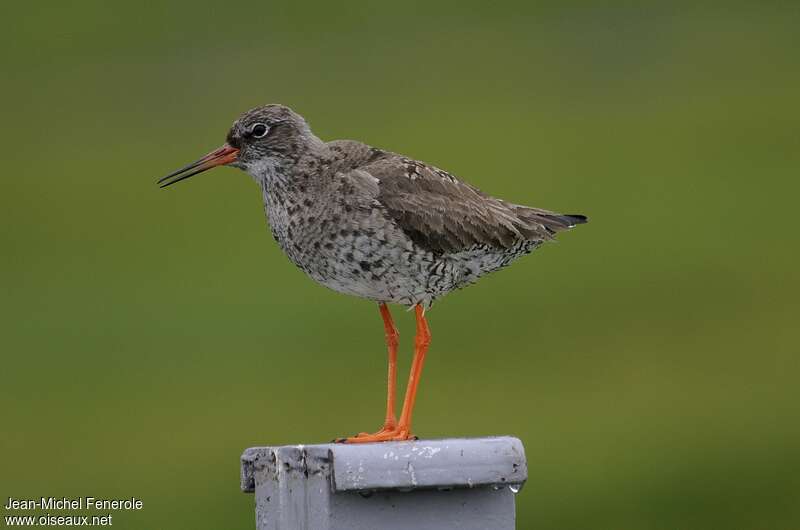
259,130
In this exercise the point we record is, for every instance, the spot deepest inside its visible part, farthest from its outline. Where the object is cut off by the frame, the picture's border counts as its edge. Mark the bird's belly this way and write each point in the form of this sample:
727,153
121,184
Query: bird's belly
373,272
364,256
371,258
405,275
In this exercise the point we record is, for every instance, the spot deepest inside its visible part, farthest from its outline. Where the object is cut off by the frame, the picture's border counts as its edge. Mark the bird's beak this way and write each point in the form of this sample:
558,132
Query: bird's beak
220,157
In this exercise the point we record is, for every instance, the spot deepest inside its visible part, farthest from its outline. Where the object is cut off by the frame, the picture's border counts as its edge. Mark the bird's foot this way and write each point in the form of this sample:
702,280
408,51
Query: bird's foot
386,434
389,426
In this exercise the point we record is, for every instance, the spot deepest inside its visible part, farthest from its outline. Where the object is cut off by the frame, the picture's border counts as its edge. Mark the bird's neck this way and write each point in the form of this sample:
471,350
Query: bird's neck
289,185
271,172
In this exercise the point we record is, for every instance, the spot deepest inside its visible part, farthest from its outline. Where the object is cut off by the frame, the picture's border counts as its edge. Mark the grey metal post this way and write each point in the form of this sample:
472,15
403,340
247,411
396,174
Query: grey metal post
468,484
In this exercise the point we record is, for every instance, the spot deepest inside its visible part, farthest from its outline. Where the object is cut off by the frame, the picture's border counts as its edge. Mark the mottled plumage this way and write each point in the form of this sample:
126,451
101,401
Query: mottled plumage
375,224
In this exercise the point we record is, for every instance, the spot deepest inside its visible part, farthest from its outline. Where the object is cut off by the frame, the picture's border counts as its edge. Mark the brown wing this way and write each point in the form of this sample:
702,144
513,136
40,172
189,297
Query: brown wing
443,214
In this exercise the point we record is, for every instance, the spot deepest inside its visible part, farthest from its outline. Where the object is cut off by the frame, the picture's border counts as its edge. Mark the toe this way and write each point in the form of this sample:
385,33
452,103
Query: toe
384,436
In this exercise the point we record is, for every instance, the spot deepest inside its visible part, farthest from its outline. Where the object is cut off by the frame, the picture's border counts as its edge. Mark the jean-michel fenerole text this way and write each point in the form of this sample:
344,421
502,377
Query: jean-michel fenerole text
74,503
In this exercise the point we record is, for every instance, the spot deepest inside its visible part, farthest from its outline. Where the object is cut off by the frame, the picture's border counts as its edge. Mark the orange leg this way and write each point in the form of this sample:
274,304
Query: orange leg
390,423
421,342
391,385
402,431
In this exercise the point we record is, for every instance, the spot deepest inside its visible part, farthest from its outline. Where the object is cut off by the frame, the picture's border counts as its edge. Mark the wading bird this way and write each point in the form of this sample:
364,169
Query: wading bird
375,224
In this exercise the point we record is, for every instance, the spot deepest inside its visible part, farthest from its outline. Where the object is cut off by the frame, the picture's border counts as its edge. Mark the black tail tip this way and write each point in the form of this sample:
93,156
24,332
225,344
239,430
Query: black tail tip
574,219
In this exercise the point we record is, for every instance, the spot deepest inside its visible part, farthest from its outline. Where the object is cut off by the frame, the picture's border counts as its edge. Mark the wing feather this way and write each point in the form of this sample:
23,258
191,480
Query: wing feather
442,214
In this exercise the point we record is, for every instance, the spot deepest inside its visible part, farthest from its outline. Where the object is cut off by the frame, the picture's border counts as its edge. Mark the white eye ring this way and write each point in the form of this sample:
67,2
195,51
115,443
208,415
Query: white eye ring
263,130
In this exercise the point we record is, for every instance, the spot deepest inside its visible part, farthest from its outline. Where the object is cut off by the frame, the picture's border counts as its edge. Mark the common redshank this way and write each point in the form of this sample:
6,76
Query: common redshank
375,224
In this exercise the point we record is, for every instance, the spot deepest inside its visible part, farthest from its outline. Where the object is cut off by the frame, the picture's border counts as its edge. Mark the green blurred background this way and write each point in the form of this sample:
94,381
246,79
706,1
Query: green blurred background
648,361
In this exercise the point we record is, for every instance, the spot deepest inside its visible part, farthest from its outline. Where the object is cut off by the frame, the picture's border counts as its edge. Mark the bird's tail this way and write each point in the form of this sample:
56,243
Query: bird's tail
568,220
551,221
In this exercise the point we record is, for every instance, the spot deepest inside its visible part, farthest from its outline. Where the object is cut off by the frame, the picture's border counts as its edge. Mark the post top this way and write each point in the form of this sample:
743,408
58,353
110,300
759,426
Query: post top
448,463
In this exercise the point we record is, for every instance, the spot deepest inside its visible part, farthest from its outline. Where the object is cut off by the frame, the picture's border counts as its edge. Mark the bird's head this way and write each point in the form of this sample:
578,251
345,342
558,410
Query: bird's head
260,138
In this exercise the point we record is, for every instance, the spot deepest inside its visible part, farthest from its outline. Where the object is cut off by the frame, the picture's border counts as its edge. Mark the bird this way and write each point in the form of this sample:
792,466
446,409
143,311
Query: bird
378,225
